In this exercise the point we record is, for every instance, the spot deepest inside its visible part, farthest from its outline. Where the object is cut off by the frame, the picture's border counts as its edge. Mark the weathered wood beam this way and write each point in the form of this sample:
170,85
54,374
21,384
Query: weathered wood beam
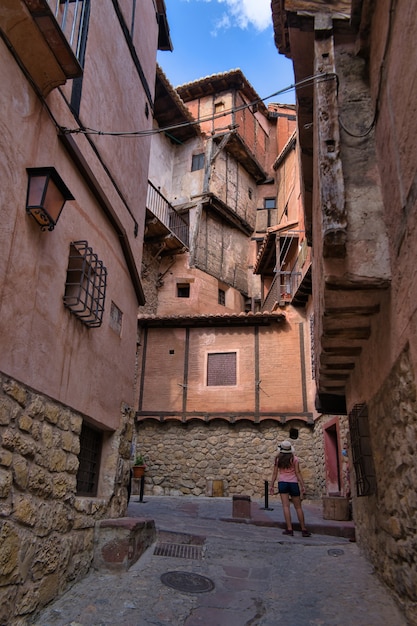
331,187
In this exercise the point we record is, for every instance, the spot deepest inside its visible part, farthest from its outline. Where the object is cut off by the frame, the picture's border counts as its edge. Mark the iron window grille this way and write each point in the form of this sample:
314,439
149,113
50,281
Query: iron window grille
222,297
221,369
85,287
91,441
361,451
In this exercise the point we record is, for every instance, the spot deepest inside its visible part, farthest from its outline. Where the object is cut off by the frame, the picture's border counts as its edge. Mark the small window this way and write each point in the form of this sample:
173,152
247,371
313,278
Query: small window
250,193
85,287
221,369
293,433
219,107
91,441
197,162
116,317
269,203
222,297
183,290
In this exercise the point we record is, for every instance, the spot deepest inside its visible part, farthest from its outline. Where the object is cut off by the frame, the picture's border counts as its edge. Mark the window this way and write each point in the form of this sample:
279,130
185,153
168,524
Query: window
116,317
85,287
250,193
222,297
221,369
89,461
361,450
183,290
197,162
269,203
219,106
270,206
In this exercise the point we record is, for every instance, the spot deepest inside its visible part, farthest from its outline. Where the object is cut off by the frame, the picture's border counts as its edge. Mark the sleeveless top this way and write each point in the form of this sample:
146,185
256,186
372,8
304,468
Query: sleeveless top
287,475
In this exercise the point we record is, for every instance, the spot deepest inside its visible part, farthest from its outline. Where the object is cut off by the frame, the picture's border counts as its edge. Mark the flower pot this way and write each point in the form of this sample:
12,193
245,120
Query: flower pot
138,471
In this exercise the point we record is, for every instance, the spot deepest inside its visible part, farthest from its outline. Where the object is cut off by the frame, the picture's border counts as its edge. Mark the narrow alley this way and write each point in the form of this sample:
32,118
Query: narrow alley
250,574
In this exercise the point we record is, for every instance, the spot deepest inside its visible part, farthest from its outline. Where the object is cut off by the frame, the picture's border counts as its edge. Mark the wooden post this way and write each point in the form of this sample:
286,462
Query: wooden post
331,188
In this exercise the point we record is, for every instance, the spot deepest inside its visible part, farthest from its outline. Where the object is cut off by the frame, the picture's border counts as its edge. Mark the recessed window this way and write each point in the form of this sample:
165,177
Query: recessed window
222,297
197,162
116,317
221,369
85,287
269,203
183,290
91,441
219,107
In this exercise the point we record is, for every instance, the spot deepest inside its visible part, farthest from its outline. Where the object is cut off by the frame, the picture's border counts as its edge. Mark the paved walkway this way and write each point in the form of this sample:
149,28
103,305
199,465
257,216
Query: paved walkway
255,576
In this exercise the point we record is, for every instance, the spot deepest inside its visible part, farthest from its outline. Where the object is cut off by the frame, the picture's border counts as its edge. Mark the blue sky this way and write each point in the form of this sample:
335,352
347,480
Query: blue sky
213,36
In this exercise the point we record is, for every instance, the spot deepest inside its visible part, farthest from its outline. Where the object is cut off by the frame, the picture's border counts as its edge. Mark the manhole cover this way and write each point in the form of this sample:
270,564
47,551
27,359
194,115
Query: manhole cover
187,581
335,552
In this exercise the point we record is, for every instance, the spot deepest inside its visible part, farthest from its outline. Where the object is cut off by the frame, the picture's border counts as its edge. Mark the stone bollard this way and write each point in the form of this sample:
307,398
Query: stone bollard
241,507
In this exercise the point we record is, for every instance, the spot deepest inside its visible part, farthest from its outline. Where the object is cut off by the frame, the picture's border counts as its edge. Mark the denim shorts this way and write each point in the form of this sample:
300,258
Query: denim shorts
291,488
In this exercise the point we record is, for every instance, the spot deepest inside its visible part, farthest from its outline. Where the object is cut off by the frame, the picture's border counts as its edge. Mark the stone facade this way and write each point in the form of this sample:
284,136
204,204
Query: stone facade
385,520
46,532
69,289
183,459
359,177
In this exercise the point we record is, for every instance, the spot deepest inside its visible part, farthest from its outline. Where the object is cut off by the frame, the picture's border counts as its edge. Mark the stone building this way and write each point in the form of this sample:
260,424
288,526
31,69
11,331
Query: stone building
69,281
356,62
224,372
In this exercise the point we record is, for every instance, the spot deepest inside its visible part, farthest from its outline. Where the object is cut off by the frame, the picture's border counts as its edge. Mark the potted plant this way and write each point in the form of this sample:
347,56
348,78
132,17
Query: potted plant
139,466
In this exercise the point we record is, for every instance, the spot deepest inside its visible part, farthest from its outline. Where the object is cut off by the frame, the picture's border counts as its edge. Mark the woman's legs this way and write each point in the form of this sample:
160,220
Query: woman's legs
296,500
285,499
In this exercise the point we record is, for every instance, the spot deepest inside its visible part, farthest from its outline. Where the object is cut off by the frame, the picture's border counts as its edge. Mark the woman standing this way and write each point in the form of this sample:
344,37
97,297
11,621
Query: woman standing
287,469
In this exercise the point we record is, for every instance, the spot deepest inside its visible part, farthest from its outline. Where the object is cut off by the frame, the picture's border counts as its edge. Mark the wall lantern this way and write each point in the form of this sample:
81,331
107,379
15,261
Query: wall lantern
46,196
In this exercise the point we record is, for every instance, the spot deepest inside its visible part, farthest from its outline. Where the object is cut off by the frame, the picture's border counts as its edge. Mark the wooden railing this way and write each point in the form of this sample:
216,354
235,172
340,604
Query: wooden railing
165,212
283,287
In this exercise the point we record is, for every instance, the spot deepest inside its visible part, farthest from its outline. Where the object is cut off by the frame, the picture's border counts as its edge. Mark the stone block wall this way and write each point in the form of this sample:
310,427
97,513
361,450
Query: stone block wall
183,459
46,532
385,521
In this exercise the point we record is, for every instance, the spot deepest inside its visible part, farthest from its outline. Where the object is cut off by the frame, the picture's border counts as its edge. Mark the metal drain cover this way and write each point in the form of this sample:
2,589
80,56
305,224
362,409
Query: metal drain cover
187,581
335,552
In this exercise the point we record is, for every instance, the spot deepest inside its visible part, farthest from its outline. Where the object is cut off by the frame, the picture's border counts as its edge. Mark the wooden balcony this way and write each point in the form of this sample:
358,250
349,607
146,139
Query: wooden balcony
164,225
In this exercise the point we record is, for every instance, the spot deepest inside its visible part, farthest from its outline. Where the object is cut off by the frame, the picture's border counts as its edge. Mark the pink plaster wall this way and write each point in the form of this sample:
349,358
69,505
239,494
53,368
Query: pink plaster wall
42,344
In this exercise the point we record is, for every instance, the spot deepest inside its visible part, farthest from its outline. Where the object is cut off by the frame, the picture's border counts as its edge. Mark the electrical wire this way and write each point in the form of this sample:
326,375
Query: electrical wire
366,132
155,131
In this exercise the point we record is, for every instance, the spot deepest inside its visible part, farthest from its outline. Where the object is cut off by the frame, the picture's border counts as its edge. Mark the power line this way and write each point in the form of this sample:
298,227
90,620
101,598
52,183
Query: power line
155,131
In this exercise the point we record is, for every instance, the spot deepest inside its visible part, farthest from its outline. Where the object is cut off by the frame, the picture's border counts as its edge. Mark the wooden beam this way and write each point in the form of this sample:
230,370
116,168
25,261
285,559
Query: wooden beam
329,173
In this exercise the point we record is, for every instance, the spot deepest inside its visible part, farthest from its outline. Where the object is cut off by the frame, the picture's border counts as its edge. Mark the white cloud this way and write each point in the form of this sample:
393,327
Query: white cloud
244,13
222,24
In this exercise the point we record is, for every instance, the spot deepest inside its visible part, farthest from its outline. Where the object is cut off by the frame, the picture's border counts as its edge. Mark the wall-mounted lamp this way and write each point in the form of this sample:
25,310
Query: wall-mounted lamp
46,196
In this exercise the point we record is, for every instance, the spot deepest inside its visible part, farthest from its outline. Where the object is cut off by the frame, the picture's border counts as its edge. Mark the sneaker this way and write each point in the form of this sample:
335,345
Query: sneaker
288,532
305,533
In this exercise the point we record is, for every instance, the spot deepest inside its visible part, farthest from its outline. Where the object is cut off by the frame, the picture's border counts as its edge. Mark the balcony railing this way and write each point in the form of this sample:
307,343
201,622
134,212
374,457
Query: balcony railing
283,287
71,16
165,212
